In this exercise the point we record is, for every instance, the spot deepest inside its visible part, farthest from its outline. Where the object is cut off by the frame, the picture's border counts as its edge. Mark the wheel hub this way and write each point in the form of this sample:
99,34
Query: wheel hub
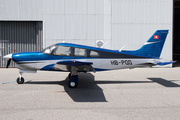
72,84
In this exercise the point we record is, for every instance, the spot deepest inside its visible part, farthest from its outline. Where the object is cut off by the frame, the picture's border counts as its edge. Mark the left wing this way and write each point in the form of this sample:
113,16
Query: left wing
66,66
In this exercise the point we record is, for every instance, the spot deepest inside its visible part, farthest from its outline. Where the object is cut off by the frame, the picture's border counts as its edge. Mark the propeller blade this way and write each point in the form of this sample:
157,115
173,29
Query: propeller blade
8,63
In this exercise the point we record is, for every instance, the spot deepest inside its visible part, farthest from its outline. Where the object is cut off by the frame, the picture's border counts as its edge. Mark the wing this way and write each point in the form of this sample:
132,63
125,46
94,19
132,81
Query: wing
66,66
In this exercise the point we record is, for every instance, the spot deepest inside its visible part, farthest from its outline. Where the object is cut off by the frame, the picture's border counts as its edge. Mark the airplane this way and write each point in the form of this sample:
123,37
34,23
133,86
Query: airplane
75,58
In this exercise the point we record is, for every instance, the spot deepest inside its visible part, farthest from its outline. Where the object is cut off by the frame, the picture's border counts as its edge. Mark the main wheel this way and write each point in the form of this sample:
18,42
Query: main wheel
20,80
73,84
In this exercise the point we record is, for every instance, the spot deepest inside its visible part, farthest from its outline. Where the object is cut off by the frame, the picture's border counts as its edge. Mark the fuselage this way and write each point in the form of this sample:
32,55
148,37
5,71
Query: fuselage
102,59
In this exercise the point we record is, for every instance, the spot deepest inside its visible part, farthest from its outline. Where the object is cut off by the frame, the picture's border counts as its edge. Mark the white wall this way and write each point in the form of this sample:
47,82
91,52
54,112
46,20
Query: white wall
117,22
77,21
134,21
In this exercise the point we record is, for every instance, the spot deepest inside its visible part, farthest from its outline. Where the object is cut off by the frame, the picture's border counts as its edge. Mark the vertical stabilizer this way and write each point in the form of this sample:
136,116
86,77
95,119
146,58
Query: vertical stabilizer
153,47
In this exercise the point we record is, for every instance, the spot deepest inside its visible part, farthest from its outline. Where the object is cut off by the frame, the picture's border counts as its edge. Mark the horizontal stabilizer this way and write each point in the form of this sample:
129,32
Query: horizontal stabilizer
165,63
150,64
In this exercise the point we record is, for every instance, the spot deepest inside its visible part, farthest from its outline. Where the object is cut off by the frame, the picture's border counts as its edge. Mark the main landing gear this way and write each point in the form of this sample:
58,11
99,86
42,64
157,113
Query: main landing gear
73,82
73,77
20,79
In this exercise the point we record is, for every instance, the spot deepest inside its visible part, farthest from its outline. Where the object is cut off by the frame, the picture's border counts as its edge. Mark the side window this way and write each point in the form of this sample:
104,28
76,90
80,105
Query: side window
80,52
61,50
94,54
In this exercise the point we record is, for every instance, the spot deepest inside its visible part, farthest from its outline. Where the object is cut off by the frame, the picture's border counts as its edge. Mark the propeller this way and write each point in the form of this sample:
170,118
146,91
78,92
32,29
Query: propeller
8,63
9,57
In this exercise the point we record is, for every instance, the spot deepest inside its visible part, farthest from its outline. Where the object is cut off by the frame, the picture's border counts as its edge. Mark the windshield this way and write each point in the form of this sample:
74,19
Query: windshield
49,49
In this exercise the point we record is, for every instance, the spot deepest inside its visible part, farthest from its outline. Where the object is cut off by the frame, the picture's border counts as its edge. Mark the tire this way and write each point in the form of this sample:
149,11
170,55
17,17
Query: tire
20,81
73,85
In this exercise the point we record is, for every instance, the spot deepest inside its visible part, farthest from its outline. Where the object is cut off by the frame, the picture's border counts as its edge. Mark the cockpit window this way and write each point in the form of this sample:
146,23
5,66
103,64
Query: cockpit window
49,49
61,50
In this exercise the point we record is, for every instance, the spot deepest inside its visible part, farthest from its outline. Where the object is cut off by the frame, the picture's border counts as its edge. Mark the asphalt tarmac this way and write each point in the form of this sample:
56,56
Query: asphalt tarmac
138,94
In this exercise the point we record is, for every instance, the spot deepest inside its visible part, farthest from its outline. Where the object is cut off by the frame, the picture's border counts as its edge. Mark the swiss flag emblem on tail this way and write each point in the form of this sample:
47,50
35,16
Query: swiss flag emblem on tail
156,36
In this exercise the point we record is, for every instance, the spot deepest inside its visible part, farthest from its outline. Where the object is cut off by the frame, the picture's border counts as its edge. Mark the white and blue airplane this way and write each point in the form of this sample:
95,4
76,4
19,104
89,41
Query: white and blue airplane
76,58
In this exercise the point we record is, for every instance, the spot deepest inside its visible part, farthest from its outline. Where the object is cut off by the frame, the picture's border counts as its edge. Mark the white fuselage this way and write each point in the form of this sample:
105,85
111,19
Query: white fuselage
106,64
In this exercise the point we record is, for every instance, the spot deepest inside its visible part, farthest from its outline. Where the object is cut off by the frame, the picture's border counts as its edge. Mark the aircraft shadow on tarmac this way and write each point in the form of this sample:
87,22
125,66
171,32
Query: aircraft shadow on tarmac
164,82
88,89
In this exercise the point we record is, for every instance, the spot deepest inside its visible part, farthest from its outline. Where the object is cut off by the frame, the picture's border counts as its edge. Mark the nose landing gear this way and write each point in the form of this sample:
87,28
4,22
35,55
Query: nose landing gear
20,79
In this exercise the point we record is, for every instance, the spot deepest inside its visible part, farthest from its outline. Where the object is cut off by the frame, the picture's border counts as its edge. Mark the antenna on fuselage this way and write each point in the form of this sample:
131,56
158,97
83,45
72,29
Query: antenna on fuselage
122,48
103,45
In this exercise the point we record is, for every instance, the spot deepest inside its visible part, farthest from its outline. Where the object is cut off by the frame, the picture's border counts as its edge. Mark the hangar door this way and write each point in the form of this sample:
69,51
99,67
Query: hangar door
19,36
176,33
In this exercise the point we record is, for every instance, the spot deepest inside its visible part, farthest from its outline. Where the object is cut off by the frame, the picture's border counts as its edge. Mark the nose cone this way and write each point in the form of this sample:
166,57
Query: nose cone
9,56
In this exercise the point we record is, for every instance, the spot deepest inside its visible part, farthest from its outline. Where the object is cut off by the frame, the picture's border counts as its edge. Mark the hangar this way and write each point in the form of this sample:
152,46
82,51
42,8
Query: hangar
32,25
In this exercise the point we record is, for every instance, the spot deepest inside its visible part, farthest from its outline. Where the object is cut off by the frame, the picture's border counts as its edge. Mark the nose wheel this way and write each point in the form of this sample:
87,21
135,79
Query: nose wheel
20,80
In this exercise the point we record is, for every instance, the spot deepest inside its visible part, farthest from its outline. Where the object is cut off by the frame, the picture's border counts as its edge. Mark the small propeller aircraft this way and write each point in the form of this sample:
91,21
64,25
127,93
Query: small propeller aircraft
76,58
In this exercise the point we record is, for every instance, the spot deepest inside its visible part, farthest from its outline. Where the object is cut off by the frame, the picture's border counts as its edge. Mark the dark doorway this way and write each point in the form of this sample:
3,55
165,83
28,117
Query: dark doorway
19,36
176,33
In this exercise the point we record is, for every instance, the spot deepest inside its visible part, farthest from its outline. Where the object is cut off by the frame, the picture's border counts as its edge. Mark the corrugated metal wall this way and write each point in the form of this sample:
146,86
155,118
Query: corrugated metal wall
19,36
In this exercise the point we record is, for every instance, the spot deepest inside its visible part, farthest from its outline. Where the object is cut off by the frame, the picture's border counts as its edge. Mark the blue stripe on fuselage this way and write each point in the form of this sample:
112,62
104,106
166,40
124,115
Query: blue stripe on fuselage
25,56
38,56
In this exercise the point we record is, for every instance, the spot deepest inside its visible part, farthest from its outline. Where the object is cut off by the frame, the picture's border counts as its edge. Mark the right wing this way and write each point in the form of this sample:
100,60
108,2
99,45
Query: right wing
66,66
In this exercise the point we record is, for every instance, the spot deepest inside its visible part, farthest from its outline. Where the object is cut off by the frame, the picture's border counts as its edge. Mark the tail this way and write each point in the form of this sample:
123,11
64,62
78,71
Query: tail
153,47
